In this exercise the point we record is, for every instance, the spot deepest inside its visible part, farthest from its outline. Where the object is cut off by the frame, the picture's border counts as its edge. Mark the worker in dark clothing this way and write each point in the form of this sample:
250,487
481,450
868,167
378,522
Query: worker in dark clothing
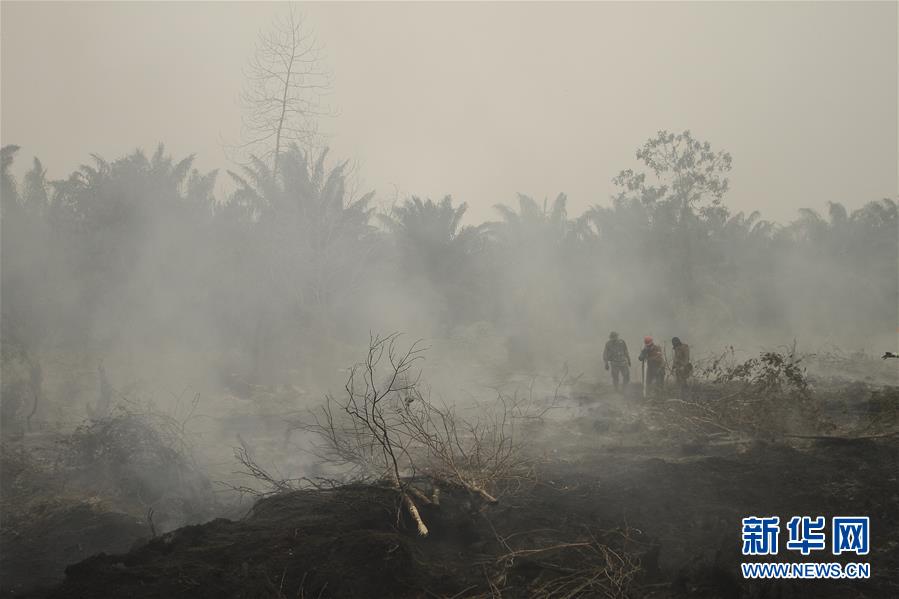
654,361
616,355
682,366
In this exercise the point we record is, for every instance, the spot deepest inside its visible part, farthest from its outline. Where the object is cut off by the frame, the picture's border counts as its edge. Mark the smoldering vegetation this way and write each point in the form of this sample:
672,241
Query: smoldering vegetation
180,401
134,263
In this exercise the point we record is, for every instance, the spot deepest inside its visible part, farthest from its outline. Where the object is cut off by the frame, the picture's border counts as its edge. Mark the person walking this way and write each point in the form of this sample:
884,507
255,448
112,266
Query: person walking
616,357
654,362
682,366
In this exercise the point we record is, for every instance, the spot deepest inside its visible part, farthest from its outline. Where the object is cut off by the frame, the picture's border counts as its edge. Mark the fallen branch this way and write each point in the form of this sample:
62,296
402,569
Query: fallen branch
841,438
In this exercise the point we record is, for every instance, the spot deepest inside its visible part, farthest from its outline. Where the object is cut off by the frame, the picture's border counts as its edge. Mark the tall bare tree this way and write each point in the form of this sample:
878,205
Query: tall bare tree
285,90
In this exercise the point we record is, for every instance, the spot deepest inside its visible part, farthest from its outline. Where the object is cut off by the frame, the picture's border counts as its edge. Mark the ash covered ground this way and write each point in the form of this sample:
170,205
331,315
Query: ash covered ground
607,494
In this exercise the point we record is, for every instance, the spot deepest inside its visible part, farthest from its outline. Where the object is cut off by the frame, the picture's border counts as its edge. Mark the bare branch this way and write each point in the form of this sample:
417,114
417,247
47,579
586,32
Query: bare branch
285,91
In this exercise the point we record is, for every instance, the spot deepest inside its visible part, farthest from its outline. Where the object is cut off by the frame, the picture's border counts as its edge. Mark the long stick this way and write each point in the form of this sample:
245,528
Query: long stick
643,373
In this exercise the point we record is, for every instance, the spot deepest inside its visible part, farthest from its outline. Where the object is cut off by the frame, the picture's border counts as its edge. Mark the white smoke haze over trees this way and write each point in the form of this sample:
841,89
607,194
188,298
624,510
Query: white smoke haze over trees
143,257
136,255
506,183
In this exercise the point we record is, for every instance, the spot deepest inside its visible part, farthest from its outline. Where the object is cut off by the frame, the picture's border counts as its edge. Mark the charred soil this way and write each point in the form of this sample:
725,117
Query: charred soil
617,522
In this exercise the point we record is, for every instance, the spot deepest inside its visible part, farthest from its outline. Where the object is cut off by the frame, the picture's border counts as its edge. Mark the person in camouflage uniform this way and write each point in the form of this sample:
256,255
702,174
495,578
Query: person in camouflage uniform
654,359
682,366
616,355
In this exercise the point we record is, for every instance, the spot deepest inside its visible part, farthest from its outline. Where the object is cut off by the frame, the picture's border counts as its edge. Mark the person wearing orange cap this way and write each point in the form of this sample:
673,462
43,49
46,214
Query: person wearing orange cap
654,362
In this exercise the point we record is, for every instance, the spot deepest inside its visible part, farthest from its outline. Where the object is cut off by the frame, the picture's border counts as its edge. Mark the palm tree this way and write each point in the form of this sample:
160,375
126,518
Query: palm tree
429,234
306,245
436,251
315,236
36,193
546,226
8,192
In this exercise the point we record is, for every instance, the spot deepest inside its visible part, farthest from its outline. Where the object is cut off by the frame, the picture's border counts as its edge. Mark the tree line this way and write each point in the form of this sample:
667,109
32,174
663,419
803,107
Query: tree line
140,249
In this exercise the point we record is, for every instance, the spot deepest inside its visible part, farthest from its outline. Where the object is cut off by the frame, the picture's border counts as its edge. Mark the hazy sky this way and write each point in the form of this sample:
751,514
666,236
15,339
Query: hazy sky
484,100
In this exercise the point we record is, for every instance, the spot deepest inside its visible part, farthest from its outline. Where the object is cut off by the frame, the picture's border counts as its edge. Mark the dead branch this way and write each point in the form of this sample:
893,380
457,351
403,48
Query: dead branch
385,428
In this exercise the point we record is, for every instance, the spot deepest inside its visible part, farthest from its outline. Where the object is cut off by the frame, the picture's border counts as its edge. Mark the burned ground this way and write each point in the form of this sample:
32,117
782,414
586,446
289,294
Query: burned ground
620,506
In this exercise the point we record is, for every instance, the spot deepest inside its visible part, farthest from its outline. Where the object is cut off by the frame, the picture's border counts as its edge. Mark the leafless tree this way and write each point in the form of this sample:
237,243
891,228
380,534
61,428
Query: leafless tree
285,90
384,428
371,437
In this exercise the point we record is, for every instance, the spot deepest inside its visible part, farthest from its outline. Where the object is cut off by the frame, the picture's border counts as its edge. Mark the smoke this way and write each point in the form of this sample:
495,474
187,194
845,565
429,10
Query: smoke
261,300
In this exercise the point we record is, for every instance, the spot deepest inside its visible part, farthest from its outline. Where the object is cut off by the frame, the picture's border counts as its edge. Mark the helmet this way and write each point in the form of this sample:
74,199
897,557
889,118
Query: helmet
647,340
613,335
675,341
